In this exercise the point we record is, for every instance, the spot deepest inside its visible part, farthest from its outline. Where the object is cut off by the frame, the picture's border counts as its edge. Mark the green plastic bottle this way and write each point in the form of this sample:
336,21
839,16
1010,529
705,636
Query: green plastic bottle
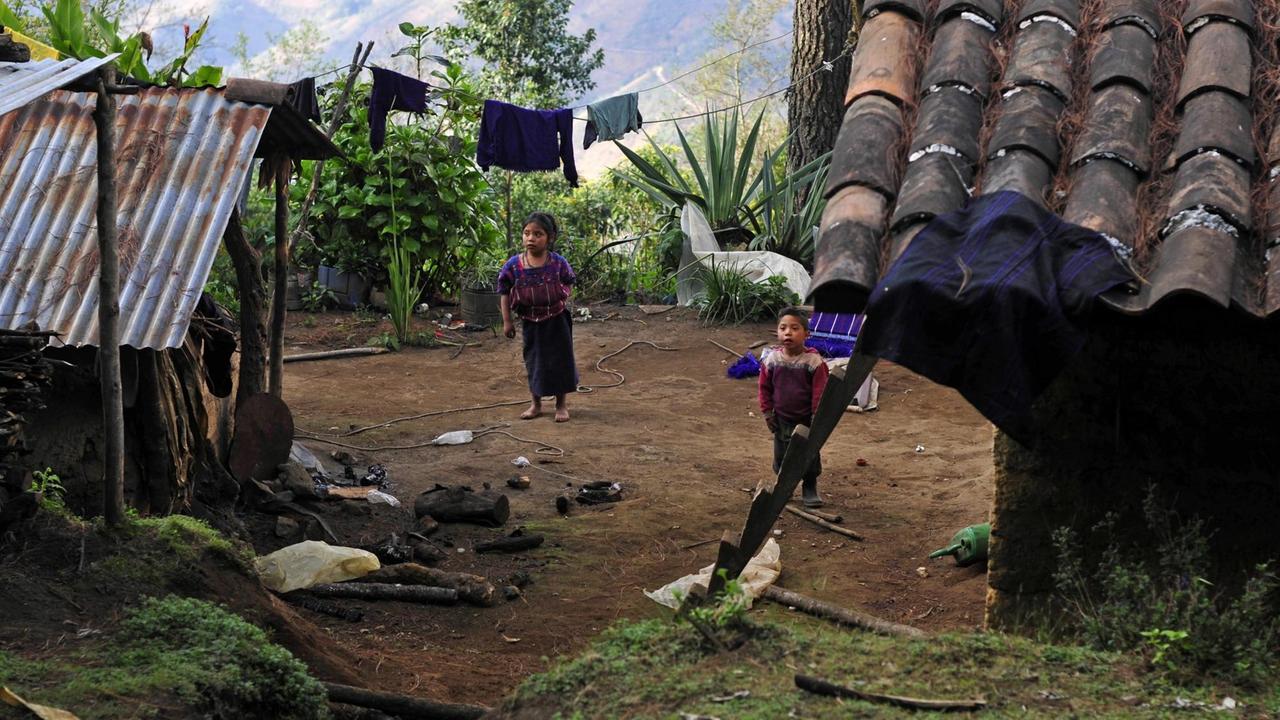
969,546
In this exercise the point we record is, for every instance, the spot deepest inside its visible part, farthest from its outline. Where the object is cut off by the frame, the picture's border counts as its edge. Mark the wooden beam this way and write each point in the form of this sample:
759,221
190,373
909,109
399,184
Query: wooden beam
283,169
104,120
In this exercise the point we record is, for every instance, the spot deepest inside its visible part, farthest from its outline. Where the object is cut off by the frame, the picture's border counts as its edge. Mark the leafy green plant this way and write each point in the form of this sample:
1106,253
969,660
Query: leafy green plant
1152,592
318,297
386,340
404,284
47,483
729,297
729,608
70,34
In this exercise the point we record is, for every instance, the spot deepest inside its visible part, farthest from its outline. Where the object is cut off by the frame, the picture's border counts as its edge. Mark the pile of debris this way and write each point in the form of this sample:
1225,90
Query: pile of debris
24,372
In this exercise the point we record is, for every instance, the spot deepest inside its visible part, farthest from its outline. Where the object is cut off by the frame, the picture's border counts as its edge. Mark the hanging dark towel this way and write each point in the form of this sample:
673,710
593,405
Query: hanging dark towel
524,140
392,91
992,299
302,97
612,118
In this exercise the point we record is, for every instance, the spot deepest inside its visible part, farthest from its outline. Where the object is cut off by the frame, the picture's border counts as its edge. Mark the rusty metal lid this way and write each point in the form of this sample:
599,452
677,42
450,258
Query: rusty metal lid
263,438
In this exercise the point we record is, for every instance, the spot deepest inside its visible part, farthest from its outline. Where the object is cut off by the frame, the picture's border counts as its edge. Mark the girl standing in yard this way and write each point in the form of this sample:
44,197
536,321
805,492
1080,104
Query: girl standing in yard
535,285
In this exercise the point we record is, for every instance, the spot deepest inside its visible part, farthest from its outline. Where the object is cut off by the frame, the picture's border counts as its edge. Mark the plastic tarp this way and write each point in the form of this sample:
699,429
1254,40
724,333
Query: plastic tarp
761,572
701,249
313,562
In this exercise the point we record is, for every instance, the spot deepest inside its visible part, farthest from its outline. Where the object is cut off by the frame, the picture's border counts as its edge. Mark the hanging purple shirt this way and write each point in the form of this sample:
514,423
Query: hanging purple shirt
392,91
524,140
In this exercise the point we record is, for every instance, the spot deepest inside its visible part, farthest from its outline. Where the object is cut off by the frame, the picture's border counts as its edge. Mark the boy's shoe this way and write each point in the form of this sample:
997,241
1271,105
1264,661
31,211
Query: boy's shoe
809,493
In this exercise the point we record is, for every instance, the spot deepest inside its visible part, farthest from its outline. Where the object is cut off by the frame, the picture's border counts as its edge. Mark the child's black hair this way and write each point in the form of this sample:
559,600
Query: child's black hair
544,220
797,312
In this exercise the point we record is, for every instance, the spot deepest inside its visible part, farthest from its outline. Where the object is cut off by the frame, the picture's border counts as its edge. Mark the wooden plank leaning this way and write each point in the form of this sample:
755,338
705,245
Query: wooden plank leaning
771,497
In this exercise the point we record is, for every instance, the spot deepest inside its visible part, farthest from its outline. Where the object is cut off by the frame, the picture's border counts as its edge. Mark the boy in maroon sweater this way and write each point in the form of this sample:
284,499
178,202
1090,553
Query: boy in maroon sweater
792,378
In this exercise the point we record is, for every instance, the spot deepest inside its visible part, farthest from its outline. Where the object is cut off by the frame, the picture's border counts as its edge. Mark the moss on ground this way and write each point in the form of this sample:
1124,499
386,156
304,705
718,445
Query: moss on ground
172,657
658,669
167,549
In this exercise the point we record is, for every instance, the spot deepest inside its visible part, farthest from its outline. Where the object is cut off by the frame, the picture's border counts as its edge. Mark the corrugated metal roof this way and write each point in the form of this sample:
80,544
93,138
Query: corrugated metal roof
1152,122
181,157
24,82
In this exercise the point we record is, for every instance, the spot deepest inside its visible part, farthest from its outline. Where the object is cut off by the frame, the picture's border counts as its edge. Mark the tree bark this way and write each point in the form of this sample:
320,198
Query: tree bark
815,106
282,168
401,705
458,504
253,305
104,118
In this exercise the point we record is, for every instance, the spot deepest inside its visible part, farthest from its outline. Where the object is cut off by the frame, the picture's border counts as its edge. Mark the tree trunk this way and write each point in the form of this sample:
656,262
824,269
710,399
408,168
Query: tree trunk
104,118
458,504
411,708
253,306
815,106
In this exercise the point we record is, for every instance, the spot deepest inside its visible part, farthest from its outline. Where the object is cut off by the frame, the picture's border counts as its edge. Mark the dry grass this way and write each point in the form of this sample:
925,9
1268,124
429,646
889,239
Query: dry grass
1266,97
1072,120
1001,48
1171,51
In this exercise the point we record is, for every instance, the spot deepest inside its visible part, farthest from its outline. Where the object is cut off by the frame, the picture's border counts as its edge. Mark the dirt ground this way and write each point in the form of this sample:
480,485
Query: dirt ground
684,441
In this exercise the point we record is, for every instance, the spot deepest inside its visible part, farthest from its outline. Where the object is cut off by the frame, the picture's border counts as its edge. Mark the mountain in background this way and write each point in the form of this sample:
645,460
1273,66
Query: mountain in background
646,43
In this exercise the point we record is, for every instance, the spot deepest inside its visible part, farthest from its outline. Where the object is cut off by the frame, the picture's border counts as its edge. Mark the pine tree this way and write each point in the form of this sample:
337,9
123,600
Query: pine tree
815,106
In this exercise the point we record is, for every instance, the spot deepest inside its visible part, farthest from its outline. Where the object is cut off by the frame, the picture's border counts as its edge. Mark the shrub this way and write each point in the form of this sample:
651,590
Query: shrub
728,296
1153,594
219,662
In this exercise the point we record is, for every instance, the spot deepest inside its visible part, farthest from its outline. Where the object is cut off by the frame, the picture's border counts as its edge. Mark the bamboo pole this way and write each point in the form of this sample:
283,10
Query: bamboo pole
104,115
276,376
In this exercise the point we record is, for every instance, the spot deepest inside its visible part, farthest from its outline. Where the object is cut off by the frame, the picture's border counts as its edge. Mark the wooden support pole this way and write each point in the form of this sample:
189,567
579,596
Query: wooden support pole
276,377
839,615
330,354
253,307
402,706
104,120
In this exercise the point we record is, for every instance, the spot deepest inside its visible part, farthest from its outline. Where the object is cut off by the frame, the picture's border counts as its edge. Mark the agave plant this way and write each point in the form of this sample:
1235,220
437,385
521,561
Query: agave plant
723,185
787,213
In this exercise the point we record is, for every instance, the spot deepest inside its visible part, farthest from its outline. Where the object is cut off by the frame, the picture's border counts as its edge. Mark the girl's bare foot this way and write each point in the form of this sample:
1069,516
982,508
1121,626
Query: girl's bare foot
562,414
534,411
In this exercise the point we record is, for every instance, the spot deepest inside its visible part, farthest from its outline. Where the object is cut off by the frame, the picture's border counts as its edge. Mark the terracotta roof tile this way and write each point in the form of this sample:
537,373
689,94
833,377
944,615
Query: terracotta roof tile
1165,109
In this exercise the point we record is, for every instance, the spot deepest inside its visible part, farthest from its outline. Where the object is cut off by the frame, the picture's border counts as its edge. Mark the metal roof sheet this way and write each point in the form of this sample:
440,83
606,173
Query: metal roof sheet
182,155
24,82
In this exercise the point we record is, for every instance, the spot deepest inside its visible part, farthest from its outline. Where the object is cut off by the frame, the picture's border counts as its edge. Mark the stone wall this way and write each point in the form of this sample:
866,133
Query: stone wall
1185,398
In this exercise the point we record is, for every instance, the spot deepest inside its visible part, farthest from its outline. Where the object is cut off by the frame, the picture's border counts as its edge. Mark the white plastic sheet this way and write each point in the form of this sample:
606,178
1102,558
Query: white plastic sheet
702,249
761,572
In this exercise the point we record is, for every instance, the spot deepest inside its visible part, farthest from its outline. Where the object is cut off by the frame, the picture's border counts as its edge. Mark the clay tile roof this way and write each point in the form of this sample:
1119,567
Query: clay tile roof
1153,122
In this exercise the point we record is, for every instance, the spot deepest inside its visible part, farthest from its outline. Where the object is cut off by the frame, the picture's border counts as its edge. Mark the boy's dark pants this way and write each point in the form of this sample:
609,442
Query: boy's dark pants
781,439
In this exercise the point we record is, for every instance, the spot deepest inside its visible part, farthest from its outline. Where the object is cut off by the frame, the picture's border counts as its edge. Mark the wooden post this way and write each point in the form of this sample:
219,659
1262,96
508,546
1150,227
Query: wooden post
253,310
276,378
104,116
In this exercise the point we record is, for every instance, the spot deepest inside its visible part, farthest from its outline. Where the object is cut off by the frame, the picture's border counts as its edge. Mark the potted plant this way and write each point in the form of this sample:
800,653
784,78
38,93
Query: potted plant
481,304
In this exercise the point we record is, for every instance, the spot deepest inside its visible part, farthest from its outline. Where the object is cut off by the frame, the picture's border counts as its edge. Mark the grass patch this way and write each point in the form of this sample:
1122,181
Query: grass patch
168,654
656,668
161,550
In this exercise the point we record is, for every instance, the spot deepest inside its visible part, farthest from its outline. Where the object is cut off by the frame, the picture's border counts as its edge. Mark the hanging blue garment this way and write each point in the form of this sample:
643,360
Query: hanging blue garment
392,91
524,140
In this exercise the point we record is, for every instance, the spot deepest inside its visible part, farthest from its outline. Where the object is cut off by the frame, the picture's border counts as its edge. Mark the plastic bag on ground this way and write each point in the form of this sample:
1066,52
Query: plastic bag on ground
761,572
313,562
377,497
457,437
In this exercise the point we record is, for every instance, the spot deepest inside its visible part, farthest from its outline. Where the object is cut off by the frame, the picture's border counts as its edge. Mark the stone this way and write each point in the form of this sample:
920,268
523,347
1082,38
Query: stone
427,525
313,531
511,592
287,527
297,480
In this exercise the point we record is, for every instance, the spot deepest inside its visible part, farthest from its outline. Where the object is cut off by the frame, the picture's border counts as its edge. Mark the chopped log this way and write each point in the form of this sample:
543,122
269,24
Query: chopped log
329,354
512,543
387,591
822,523
460,504
410,708
823,687
472,589
325,608
839,615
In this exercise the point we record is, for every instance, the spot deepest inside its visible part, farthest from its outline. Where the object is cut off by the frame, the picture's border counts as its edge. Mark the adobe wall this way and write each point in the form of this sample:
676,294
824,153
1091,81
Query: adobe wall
1185,398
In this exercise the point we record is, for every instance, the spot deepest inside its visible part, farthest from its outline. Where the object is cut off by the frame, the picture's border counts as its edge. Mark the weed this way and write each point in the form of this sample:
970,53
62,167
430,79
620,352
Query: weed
729,609
386,340
728,296
1153,594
